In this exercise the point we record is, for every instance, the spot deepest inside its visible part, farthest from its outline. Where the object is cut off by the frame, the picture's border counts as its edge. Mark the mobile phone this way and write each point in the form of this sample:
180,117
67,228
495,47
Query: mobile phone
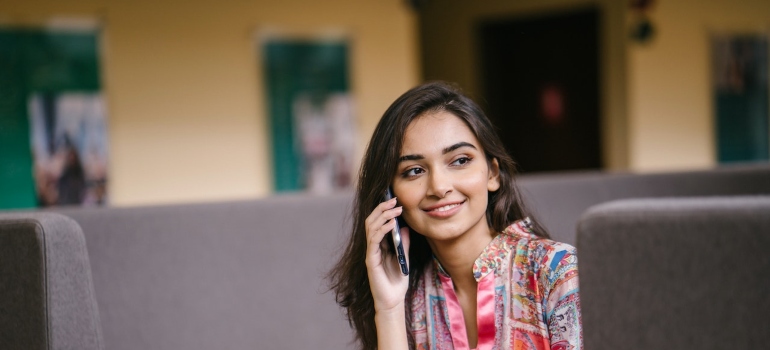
396,234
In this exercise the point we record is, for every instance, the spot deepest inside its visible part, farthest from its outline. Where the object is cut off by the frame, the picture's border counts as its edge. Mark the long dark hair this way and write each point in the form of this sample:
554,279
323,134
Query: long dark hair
349,278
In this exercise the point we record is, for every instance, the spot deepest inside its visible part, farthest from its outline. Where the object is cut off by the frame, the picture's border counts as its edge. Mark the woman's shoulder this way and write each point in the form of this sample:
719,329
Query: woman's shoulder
538,252
521,233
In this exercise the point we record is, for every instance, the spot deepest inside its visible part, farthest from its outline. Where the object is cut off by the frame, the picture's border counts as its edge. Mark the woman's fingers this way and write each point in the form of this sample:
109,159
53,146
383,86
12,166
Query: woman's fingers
381,216
379,232
381,221
370,221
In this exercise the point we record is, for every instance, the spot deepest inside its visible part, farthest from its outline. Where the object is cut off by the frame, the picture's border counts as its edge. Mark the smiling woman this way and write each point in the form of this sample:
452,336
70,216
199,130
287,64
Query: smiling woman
442,183
482,274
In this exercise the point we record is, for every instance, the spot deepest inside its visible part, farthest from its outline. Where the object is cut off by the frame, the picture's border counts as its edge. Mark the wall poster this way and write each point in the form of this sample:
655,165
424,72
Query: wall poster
53,132
740,77
310,113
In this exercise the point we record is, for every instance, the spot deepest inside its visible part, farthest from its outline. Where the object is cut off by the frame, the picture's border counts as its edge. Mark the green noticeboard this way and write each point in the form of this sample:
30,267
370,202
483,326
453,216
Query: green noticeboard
43,63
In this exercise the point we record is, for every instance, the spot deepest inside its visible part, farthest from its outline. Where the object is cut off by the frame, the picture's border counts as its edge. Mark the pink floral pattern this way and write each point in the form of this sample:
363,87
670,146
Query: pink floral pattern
537,305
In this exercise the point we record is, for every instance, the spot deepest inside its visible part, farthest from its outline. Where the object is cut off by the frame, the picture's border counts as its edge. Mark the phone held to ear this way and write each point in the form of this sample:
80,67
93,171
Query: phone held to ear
396,234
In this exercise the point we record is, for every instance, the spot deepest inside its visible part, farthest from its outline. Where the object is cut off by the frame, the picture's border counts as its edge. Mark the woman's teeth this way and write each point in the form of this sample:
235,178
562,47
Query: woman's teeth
446,207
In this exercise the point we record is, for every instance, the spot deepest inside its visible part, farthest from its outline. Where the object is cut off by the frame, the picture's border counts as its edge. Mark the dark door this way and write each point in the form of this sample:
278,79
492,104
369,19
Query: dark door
540,86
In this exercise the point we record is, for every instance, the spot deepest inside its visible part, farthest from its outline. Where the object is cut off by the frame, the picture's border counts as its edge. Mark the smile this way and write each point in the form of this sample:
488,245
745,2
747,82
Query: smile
444,210
446,207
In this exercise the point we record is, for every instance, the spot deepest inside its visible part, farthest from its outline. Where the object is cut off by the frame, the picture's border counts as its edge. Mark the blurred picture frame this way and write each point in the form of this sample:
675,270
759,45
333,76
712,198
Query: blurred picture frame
54,145
740,91
310,109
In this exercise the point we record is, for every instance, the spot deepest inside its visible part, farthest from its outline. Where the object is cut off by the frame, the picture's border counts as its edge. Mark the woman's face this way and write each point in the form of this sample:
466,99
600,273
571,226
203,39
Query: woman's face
443,178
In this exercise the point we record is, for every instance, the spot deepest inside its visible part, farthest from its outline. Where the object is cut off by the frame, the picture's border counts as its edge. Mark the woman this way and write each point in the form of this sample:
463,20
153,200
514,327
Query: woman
482,274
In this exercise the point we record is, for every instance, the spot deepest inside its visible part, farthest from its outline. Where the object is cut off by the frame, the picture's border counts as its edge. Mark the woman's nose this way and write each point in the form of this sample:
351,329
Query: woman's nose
440,184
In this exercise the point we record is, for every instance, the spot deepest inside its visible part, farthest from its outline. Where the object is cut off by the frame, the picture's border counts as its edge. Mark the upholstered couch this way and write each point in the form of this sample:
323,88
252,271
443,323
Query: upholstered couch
239,275
676,273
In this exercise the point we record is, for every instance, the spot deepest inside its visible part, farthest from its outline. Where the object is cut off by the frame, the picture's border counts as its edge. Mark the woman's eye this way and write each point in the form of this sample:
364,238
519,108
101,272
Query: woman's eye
461,161
412,172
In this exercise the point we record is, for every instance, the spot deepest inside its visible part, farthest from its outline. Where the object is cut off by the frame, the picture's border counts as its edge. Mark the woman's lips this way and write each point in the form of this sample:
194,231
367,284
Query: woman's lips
444,210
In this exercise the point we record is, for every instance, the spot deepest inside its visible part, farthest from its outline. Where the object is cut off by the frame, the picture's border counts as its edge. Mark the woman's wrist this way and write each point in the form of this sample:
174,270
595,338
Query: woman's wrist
391,327
389,312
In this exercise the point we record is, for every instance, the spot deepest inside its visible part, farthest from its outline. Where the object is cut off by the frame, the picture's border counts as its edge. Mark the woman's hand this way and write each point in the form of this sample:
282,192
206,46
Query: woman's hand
387,283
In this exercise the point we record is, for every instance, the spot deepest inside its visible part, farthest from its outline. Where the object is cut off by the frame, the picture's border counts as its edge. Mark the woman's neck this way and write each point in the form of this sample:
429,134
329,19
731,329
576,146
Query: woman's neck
458,256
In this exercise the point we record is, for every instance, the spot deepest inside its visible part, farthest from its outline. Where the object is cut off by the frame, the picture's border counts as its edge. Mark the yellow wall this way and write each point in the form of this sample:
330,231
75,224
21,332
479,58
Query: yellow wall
184,85
670,107
186,100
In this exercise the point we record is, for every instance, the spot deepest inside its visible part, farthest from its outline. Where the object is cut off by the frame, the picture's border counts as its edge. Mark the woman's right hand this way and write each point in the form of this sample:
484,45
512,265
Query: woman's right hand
386,281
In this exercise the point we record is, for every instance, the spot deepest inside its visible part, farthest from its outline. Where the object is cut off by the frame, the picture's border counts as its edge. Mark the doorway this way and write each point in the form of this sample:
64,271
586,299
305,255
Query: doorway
540,87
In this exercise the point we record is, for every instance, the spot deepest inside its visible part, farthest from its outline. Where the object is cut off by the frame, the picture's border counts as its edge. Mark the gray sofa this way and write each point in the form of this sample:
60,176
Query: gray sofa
47,299
559,199
676,273
239,275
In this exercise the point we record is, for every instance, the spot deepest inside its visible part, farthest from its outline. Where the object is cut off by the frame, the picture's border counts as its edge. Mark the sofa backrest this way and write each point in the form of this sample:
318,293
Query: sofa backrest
46,294
233,275
558,200
685,273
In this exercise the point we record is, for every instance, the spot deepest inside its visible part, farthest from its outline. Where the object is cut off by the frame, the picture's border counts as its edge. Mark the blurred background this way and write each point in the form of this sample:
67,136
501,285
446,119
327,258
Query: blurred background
150,102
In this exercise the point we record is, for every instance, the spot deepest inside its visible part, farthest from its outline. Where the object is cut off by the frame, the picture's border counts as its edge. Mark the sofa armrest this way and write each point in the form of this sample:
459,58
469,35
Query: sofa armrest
685,273
46,292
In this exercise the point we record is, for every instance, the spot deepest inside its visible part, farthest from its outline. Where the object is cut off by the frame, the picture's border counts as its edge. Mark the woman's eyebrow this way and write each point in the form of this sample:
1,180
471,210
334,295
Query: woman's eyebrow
410,157
456,146
444,151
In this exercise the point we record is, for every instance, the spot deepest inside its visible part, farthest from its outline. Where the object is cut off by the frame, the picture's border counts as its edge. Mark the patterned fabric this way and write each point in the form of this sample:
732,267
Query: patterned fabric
533,301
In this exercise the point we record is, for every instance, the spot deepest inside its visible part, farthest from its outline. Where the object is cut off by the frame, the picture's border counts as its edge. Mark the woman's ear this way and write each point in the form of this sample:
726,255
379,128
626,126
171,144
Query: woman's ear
493,183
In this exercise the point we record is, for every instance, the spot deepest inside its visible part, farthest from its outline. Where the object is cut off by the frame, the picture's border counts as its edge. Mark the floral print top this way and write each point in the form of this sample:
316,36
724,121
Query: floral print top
527,297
